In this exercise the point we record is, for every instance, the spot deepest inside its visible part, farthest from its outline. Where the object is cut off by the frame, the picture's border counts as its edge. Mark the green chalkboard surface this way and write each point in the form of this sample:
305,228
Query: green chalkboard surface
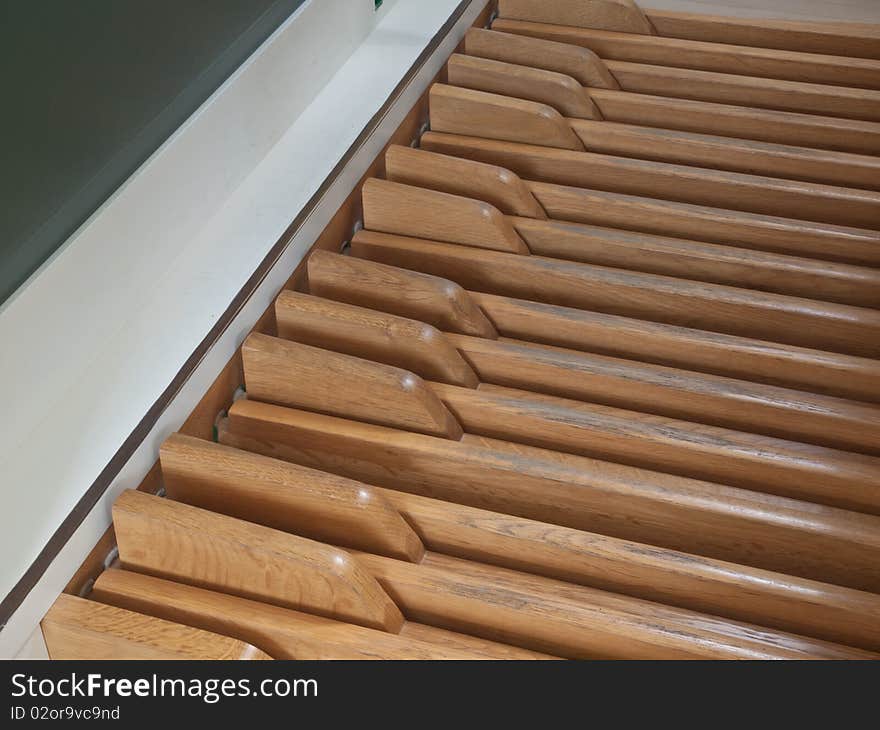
91,88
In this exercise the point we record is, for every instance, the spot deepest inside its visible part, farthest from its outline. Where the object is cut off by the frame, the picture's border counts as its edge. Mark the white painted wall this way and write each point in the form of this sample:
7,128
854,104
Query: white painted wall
96,335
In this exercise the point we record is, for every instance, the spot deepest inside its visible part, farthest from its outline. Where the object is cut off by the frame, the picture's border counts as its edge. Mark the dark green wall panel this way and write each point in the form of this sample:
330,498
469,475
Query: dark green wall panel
90,89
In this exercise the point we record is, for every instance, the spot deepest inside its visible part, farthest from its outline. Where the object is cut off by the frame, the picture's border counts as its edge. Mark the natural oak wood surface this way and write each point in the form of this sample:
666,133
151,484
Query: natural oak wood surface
574,621
843,39
750,461
733,591
298,375
623,15
563,179
180,542
789,96
784,161
729,120
75,628
761,530
720,188
575,61
283,633
746,359
288,497
426,298
681,394
466,111
635,569
759,361
761,315
404,343
744,60
557,90
684,220
764,271
397,208
458,176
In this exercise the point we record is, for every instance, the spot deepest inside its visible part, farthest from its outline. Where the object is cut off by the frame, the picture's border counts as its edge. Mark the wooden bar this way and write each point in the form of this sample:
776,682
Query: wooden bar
563,178
764,531
298,375
744,60
791,320
75,628
180,542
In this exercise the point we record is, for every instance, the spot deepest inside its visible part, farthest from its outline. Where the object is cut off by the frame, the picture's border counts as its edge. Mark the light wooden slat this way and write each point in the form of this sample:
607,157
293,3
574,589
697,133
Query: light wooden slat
403,343
682,394
710,352
557,90
766,531
802,322
749,461
738,592
702,185
284,633
746,359
286,497
398,208
727,120
838,70
575,61
426,298
843,39
470,112
574,621
790,96
753,157
495,185
307,377
623,15
75,628
177,541
748,269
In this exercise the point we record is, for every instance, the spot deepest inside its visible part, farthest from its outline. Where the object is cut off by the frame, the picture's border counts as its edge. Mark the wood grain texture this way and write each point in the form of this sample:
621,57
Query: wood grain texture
750,461
761,530
759,361
466,111
180,542
742,312
760,270
728,120
574,621
458,176
622,15
283,496
575,61
412,211
290,373
789,162
76,628
283,633
744,60
557,90
725,190
843,39
575,202
403,343
671,577
681,394
790,96
430,299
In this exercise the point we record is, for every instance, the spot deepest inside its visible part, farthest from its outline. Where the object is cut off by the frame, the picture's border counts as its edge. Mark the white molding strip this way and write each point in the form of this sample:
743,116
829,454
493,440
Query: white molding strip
96,337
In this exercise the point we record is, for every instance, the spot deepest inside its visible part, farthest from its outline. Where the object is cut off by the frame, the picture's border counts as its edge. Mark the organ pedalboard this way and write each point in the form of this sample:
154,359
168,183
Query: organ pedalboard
597,378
